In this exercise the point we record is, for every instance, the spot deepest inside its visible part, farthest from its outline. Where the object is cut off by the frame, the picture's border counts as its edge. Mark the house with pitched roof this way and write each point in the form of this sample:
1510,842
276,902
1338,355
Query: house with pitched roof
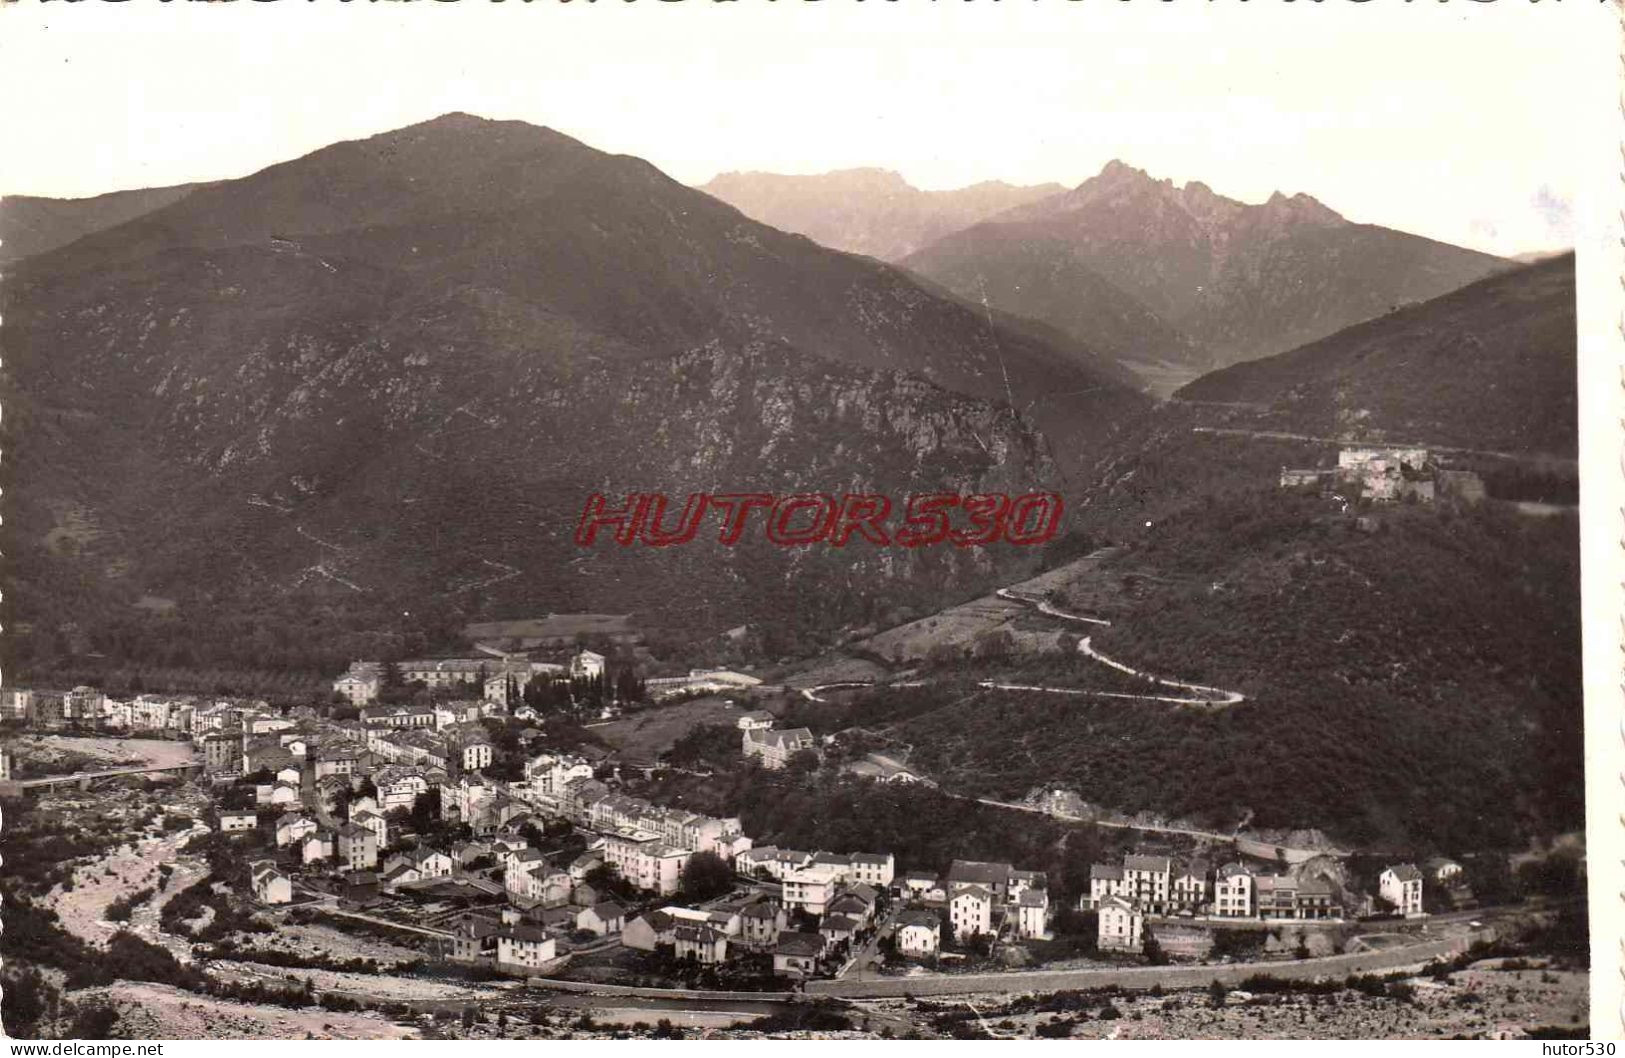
374,822
918,933
797,954
601,919
760,924
970,911
837,930
1401,885
702,942
1105,879
775,748
1317,899
649,931
1121,926
524,948
357,847
1148,881
1233,892
1188,890
1032,914
292,827
316,846
919,885
270,885
474,939
993,877
873,868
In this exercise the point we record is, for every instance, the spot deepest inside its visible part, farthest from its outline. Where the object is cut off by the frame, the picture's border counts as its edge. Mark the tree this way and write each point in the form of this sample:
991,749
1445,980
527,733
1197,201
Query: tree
706,875
94,1021
1153,951
802,762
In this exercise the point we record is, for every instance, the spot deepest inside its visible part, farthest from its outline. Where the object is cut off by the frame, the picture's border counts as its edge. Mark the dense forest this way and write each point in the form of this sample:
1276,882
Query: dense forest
1418,681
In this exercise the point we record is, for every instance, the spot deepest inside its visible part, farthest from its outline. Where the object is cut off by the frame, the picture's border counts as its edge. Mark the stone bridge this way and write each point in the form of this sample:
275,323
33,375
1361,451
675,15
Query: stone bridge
85,779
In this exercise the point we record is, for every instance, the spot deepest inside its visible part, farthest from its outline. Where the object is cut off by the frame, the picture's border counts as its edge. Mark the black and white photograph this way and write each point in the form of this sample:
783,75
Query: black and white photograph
785,520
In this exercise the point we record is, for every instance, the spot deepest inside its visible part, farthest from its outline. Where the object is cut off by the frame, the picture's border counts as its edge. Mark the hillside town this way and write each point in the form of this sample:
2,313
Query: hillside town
454,817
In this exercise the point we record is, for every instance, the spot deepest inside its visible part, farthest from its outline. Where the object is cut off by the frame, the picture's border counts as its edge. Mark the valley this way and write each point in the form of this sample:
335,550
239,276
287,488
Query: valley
1100,612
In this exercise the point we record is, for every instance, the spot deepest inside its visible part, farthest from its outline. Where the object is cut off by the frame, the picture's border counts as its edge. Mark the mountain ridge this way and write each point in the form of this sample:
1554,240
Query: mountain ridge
1237,281
868,210
399,364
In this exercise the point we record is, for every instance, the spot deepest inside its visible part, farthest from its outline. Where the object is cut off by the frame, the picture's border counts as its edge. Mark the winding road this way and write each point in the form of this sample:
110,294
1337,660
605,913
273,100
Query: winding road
1215,697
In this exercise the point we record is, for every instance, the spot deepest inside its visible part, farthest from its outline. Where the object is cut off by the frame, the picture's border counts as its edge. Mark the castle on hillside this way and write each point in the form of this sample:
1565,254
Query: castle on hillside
1388,475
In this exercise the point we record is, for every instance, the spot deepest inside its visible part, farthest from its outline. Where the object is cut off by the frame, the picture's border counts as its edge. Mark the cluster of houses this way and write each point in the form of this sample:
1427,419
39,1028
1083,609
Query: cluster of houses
1125,895
830,904
1389,474
836,899
177,715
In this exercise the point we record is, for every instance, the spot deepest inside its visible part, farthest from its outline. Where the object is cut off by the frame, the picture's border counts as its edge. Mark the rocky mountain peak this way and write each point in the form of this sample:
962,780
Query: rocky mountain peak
1301,209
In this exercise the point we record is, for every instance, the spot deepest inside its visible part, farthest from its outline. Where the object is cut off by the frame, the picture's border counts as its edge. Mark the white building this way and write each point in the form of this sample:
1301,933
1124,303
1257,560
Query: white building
586,665
971,912
645,861
1122,927
270,885
360,685
1402,887
775,748
811,887
237,822
919,933
1032,915
1233,892
1105,879
524,947
873,868
1148,881
292,828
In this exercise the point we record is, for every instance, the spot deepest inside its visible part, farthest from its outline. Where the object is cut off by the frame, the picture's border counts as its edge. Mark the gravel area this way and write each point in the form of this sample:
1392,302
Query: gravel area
159,1012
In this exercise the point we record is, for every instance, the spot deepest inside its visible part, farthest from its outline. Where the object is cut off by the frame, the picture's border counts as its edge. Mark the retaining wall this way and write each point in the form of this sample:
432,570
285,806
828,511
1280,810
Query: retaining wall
1332,966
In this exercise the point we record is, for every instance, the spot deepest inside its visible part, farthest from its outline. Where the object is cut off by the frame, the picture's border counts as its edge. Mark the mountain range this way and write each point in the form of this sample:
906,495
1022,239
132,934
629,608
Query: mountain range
869,211
1489,366
1169,281
396,367
1238,281
31,225
344,406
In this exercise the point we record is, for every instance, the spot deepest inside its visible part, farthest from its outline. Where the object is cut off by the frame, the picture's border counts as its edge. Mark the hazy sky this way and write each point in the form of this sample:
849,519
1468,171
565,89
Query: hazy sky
1450,120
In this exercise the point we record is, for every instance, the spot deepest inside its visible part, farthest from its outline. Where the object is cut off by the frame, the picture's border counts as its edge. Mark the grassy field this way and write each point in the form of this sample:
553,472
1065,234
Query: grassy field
552,627
650,732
